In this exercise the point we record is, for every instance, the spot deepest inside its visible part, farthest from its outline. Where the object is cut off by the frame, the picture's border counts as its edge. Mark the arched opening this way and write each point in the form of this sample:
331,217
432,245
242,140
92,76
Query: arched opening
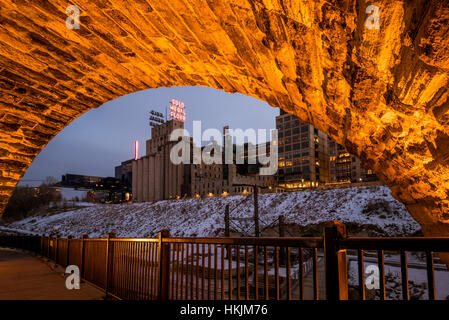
99,140
382,93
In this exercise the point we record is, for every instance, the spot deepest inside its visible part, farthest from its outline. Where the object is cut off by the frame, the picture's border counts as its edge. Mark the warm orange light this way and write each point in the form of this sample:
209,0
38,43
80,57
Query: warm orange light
197,195
210,194
136,150
225,194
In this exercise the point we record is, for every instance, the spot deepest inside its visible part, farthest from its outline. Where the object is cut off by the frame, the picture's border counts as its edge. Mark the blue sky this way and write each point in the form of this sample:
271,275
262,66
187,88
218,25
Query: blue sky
100,139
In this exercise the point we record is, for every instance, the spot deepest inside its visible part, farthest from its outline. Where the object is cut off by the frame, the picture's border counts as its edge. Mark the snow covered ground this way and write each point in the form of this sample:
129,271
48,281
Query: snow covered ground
417,279
365,206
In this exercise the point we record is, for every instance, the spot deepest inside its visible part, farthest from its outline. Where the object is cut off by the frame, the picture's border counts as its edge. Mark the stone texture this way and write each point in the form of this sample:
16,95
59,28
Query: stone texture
383,94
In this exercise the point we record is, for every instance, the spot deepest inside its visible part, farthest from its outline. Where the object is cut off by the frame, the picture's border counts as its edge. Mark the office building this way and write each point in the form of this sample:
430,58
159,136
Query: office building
124,173
303,150
347,168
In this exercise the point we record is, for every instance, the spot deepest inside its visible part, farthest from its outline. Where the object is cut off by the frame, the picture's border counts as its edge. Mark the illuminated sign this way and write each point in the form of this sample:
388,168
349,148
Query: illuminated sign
136,150
177,110
156,118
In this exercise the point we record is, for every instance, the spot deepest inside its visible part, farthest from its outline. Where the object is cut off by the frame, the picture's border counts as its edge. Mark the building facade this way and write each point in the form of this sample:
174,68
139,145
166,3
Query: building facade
303,154
155,177
124,173
79,181
310,158
347,168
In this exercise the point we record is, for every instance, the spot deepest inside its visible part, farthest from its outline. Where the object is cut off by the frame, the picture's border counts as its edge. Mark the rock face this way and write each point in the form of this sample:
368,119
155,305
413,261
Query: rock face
382,93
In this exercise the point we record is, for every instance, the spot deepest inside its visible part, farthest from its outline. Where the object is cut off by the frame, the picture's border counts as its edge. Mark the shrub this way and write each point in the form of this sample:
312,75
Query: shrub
25,200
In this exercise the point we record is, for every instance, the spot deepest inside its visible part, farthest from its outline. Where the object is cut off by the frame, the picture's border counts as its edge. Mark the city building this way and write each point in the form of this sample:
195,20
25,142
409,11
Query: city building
303,154
155,177
78,180
124,173
106,189
347,168
310,158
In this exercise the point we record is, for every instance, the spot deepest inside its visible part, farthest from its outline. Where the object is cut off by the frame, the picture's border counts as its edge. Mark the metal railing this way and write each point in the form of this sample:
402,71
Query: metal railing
229,268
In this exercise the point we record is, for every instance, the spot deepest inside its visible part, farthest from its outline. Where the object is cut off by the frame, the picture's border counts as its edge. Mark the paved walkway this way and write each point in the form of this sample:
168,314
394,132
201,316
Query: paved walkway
24,277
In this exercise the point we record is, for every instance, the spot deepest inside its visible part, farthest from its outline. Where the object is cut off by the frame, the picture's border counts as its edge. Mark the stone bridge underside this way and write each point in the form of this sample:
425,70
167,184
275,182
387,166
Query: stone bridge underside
383,94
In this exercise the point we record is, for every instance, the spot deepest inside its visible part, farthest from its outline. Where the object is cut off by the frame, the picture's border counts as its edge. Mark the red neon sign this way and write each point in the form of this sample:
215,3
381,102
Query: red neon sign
177,110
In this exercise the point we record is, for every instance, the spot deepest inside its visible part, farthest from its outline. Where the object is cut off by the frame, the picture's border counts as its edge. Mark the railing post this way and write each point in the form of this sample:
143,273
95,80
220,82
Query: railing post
109,264
48,248
56,249
83,254
67,261
41,251
335,262
164,265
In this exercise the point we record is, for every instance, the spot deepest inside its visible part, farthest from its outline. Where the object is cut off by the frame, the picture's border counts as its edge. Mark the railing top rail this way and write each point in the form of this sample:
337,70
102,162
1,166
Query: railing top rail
435,244
305,242
134,239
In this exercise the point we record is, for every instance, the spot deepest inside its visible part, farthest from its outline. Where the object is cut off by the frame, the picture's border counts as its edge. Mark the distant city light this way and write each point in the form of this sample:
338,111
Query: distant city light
136,150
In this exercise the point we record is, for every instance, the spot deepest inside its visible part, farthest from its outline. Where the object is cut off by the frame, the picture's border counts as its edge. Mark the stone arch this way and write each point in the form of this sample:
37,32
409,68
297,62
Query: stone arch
383,94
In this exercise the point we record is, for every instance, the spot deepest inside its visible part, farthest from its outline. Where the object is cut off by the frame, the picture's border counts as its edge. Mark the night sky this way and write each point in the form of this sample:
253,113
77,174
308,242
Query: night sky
102,138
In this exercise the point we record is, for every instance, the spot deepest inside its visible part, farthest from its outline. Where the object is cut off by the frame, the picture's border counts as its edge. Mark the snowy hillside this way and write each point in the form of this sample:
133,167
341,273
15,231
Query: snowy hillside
364,206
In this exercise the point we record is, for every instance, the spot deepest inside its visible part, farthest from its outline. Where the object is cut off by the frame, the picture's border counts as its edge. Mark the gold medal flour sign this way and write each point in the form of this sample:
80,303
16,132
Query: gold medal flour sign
177,110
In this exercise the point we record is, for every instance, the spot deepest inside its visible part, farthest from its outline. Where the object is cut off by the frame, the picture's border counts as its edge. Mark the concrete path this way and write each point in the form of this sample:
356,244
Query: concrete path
24,277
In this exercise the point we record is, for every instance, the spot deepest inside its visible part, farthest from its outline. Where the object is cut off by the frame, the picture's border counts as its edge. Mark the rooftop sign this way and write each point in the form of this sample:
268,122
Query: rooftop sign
156,118
177,110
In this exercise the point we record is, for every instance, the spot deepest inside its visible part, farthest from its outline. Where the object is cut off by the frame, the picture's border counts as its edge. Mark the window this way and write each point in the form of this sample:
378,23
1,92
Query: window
305,144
